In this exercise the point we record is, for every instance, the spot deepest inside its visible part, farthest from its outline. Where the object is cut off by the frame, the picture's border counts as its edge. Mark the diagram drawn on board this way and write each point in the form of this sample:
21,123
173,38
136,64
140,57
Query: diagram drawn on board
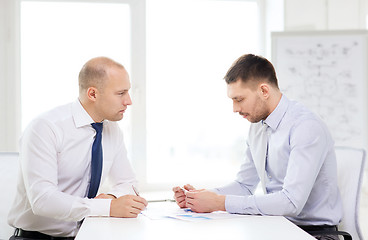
327,74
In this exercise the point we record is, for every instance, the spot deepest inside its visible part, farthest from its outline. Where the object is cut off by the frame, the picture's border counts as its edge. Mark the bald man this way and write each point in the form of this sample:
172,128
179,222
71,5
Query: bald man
55,178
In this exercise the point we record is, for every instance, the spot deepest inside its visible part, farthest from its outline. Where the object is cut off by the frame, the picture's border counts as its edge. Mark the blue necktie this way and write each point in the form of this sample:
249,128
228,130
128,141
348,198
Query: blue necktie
96,161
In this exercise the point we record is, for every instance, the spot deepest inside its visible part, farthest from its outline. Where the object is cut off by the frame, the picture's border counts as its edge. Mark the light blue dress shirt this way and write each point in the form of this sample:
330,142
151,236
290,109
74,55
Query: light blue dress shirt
301,173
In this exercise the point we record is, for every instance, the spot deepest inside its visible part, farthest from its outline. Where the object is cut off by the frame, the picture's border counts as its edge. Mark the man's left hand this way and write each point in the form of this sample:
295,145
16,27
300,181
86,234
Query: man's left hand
204,201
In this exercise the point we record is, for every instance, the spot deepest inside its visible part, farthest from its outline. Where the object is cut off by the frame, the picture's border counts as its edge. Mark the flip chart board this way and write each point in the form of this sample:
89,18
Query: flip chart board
327,72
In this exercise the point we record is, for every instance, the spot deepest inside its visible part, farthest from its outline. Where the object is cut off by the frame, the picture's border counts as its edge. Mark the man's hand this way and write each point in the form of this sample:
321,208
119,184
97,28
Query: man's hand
179,194
204,201
127,206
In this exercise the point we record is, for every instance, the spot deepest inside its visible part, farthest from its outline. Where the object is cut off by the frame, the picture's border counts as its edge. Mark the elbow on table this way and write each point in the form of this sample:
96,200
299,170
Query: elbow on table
292,212
292,208
282,203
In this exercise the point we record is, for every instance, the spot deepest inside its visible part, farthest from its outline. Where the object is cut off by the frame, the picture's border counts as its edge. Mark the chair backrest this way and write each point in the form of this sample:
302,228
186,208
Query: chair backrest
350,169
8,182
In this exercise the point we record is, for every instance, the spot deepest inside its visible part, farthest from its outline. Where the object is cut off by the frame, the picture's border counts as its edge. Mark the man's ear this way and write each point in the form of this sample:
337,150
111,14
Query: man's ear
92,93
264,90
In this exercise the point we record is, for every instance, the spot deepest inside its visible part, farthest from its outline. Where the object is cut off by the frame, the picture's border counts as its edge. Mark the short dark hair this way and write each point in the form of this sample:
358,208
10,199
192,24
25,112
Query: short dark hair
251,67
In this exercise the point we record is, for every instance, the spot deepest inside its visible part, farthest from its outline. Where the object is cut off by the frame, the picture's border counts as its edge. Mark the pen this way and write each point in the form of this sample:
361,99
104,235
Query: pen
161,200
135,190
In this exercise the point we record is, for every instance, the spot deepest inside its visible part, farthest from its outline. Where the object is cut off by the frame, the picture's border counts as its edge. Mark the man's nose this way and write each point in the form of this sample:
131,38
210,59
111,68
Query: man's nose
128,100
236,108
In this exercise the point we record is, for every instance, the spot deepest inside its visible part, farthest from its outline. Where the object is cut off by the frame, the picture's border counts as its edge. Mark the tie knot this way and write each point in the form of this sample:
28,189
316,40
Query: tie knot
97,126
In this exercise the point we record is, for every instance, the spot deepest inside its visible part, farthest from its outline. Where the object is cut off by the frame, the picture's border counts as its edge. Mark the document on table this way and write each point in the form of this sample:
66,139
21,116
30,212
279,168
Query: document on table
162,211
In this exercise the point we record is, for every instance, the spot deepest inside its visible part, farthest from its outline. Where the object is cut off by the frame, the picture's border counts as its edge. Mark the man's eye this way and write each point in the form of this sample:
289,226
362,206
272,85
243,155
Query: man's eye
239,100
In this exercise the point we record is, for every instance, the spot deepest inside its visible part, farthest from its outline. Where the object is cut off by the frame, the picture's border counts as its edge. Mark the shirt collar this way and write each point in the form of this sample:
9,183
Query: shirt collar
80,115
274,119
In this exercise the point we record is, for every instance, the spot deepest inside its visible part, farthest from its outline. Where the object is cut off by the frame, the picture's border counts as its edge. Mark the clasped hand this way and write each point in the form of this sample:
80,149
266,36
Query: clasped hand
201,201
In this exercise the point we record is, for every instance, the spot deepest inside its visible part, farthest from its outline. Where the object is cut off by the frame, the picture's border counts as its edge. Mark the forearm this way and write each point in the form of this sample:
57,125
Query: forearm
233,188
278,204
65,207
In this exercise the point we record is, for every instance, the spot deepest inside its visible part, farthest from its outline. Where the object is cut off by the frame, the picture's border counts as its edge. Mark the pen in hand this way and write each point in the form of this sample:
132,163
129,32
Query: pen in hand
135,190
136,193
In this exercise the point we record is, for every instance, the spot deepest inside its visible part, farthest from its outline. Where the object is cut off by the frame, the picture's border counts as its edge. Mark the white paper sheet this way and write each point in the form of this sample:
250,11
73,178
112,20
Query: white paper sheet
158,211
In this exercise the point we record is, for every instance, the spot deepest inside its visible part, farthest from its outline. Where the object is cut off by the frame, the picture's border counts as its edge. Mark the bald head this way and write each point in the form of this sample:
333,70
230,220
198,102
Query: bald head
95,72
104,89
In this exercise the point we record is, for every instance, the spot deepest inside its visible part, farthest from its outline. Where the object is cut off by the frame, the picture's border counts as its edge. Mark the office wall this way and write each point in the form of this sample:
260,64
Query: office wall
9,76
325,14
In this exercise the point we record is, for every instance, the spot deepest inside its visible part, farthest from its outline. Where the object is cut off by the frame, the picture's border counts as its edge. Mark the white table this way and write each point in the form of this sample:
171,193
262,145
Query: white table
244,227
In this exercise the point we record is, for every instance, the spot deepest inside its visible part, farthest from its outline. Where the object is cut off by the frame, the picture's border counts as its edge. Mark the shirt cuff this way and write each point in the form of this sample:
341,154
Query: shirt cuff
100,207
236,204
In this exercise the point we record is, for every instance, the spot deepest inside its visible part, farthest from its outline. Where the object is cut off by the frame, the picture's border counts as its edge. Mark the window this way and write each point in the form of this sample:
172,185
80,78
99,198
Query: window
57,38
192,134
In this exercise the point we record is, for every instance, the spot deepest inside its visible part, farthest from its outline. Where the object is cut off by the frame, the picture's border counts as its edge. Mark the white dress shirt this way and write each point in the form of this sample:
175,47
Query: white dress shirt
53,182
301,172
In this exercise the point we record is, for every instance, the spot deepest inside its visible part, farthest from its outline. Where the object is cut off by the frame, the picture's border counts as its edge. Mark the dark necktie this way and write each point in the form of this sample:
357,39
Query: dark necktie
96,161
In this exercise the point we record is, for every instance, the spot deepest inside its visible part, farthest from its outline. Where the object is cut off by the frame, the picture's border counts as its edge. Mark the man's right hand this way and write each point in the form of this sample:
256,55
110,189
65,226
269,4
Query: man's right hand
128,206
180,196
